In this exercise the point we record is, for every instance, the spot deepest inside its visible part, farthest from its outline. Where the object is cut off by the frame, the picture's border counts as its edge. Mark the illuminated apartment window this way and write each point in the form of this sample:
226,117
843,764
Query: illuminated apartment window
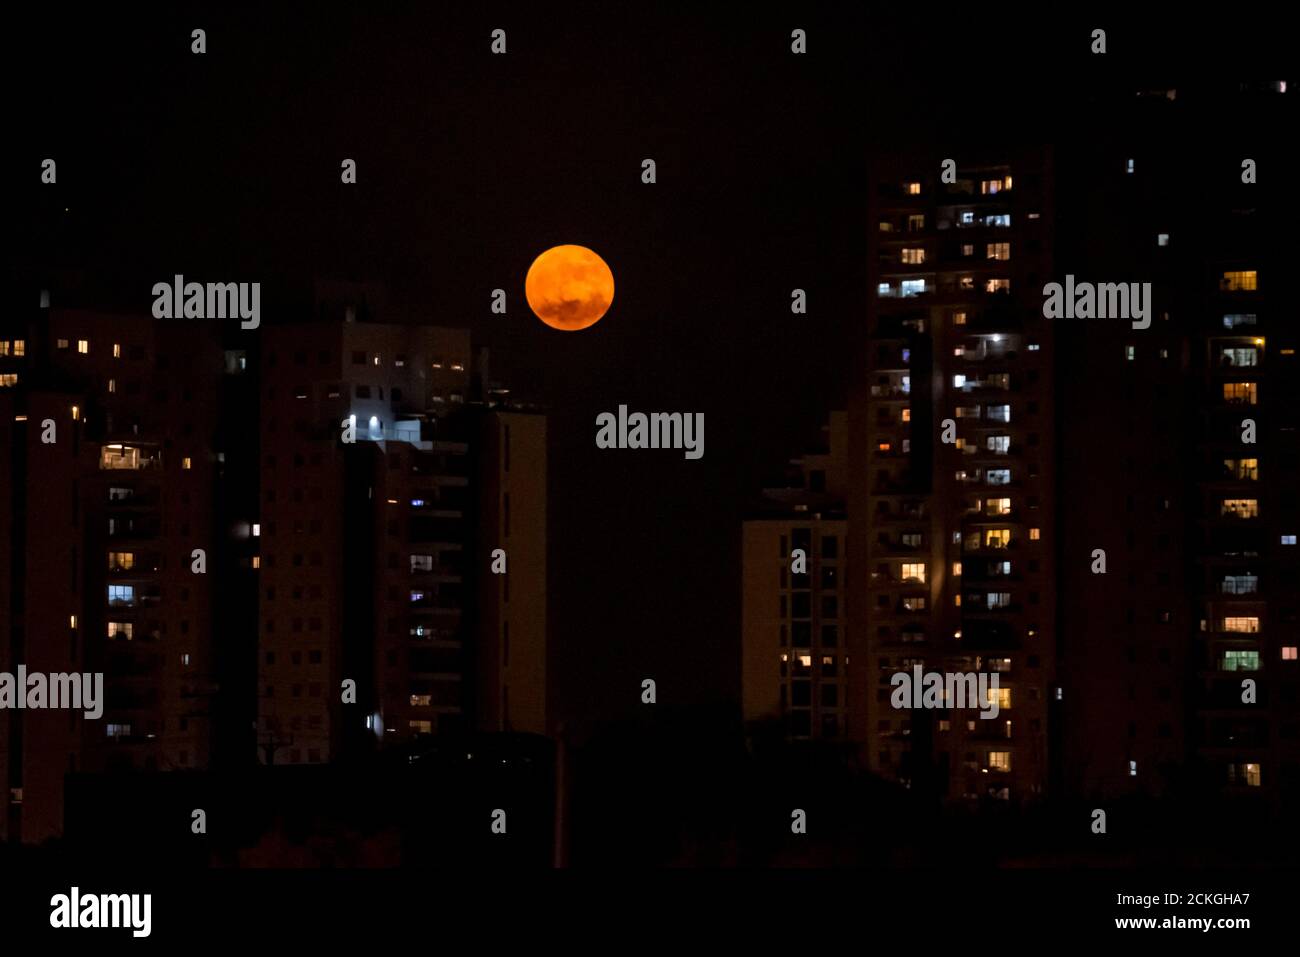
117,730
998,251
1289,653
421,700
118,456
997,506
997,599
913,572
915,223
121,594
421,563
998,444
257,529
1288,539
968,249
112,385
1240,507
999,413
1002,696
1242,469
956,569
61,343
913,256
999,760
420,727
989,187
911,287
1245,774
912,189
1128,166
186,462
83,346
886,226
997,537
76,413
1239,281
1243,625
1035,534
1130,353
377,358
997,285
1238,319
967,217
257,561
4,347
8,378
117,350
123,630
913,603
121,561
1237,356
1239,661
1240,393
20,347
906,415
998,476
1162,239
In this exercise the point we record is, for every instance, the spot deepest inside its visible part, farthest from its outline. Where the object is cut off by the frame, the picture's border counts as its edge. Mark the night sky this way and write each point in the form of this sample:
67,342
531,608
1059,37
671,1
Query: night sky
225,167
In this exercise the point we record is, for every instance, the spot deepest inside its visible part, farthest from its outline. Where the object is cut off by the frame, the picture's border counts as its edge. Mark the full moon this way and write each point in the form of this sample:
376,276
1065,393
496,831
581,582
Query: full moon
569,287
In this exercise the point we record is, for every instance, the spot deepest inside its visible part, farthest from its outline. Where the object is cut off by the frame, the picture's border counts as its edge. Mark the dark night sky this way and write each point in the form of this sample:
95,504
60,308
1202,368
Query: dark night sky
226,166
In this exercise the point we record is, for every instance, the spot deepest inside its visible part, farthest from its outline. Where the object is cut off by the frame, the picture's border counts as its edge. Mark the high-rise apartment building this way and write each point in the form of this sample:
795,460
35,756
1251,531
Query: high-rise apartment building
794,646
951,437
108,547
386,487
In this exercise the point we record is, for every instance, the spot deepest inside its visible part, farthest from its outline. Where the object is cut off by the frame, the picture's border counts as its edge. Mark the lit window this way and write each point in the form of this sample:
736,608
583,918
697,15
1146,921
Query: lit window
1130,353
997,537
62,343
913,256
1236,319
1289,653
76,413
8,378
1001,695
915,223
913,572
1162,239
1035,534
956,569
83,346
1132,769
1243,625
121,561
186,462
112,385
997,599
257,561
959,318
998,444
1128,168
1239,661
1244,280
1240,393
997,285
4,347
123,630
968,249
185,660
121,594
1240,507
912,287
907,415
117,350
1288,539
967,217
1033,347
912,189
257,529
20,347
997,506
998,251
117,730
377,358
999,761
998,476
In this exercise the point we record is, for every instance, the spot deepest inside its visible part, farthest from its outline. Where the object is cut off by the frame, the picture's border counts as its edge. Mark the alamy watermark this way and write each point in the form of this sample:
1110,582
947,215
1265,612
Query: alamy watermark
935,689
658,430
214,300
75,909
75,691
1105,300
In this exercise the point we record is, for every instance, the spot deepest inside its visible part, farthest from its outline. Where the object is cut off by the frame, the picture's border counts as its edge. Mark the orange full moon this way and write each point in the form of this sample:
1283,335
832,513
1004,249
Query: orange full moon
569,287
